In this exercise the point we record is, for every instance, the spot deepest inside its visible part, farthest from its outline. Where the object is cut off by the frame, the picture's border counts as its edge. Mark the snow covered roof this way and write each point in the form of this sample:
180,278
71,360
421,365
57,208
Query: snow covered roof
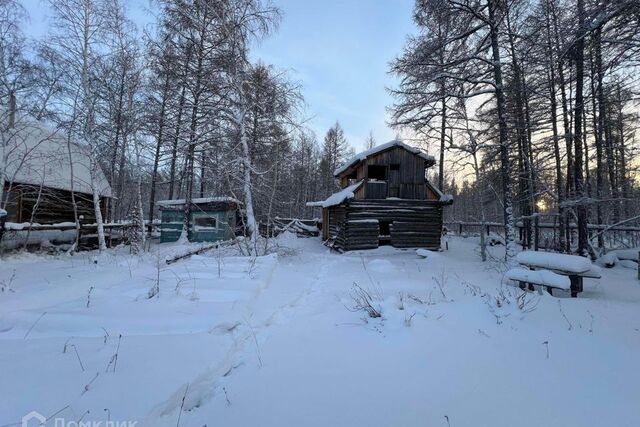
39,155
200,200
444,198
339,197
395,143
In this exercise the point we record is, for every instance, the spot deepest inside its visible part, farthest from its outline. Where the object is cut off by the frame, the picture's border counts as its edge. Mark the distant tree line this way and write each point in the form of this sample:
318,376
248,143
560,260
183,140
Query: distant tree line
536,103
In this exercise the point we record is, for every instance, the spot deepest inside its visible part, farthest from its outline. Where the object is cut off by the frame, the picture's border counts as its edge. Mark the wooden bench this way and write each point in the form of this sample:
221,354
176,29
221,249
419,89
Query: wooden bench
576,268
548,279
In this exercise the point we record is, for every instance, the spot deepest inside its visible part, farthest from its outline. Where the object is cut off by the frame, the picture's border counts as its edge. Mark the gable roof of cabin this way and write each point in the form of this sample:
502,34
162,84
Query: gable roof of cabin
380,148
39,155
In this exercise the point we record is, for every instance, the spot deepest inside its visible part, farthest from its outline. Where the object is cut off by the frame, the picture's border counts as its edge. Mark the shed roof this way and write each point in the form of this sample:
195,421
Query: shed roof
339,197
37,154
380,148
198,201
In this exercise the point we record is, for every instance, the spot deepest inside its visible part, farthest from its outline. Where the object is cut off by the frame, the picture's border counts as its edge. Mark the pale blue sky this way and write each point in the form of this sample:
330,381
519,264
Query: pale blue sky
338,50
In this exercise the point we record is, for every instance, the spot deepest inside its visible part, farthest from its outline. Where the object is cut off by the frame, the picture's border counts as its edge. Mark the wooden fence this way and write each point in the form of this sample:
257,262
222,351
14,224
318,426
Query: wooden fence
614,237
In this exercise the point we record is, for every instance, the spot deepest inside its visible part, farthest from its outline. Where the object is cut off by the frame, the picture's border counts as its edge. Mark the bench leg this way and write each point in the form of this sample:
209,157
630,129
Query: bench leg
522,285
576,285
550,290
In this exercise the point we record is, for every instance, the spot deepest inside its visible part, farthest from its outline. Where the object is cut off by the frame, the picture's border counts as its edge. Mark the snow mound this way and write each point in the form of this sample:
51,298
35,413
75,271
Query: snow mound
381,265
287,238
423,253
627,254
626,263
609,260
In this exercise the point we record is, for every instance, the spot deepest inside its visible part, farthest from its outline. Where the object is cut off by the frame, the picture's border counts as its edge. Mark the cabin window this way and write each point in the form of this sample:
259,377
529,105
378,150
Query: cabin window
205,223
352,178
377,172
394,166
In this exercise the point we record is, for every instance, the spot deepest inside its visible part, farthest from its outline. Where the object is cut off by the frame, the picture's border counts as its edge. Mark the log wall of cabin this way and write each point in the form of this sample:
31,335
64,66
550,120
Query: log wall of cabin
336,216
412,223
54,206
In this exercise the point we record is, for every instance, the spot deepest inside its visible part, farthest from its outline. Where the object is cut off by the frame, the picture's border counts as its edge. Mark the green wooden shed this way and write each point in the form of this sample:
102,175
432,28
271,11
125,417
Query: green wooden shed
212,219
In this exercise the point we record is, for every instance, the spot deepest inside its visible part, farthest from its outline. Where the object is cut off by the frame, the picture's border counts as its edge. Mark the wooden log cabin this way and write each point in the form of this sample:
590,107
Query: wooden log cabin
385,199
38,173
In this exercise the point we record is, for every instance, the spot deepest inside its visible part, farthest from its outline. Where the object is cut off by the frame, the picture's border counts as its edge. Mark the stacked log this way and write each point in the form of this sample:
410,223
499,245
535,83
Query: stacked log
361,234
415,234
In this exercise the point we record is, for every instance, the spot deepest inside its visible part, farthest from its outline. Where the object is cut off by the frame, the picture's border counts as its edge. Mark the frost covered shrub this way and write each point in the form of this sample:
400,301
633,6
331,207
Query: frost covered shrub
363,301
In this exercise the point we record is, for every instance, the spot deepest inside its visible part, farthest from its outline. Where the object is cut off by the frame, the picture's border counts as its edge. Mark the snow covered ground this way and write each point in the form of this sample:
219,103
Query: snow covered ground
278,342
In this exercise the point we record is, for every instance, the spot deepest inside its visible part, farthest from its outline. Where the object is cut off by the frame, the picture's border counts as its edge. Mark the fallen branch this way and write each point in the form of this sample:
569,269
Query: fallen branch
199,251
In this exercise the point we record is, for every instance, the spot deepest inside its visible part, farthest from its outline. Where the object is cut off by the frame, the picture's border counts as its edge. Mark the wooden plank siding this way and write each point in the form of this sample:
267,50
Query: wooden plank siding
410,176
407,182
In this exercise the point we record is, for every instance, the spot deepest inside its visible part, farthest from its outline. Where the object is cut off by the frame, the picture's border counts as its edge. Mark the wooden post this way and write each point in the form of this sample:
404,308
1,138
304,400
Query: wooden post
576,285
80,219
3,220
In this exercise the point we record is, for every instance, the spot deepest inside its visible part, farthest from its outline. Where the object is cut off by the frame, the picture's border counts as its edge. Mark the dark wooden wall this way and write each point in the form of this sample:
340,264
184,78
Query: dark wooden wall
412,223
336,216
408,182
54,207
359,234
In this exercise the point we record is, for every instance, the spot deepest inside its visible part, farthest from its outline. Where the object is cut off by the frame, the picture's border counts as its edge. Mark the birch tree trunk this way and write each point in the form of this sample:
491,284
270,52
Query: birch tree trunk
142,231
74,204
252,225
505,166
102,243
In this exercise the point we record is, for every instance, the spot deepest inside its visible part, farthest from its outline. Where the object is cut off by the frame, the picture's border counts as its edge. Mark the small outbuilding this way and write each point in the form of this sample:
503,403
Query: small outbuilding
212,219
42,170
385,199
